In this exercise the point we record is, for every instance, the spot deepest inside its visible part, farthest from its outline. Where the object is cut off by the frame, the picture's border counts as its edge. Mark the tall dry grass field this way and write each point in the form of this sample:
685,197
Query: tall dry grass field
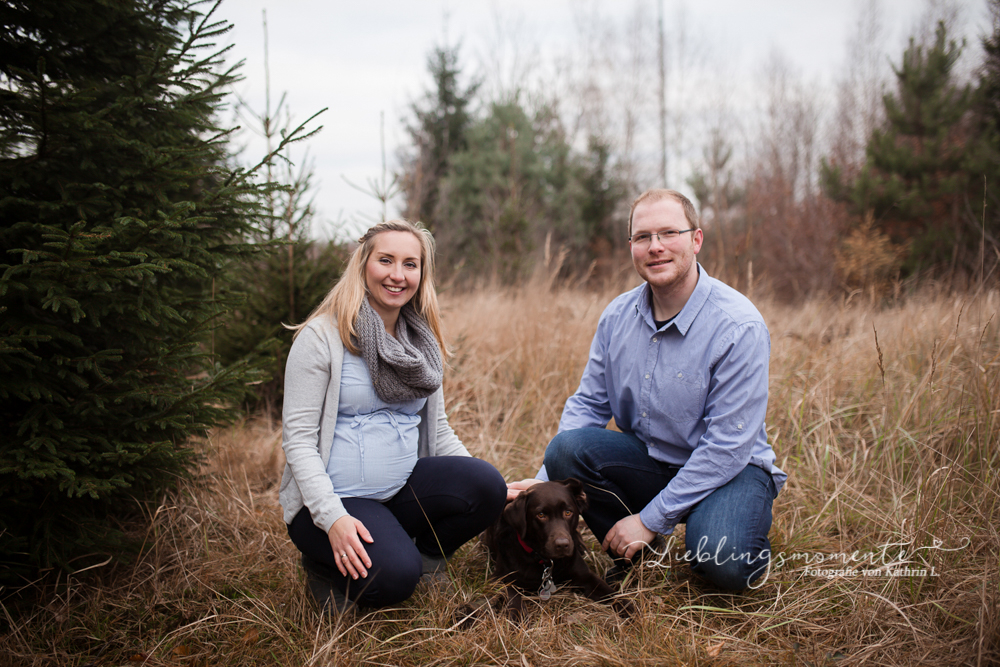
886,420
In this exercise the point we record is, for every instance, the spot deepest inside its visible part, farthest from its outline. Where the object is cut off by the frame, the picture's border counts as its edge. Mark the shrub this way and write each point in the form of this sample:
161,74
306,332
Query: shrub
118,222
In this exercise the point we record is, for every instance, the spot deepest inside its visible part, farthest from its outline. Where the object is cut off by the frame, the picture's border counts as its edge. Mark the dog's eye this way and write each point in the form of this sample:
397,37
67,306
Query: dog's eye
541,516
567,514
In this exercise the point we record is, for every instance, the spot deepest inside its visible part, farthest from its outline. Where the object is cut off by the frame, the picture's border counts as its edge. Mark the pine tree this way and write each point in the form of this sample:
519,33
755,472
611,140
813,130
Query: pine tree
439,131
518,188
256,328
603,193
984,160
917,179
497,186
489,196
989,84
118,222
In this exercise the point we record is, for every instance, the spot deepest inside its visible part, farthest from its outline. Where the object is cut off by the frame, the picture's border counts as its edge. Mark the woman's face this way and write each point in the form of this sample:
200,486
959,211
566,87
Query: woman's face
392,273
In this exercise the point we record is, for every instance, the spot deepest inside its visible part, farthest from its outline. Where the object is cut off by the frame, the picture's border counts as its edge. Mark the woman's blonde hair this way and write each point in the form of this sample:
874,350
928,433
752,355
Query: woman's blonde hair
343,302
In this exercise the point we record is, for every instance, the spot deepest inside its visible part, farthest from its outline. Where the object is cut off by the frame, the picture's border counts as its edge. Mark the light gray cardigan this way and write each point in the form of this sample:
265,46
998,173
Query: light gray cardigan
309,417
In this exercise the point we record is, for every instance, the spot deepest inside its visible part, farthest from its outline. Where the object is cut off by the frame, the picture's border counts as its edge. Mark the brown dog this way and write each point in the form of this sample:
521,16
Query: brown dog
535,545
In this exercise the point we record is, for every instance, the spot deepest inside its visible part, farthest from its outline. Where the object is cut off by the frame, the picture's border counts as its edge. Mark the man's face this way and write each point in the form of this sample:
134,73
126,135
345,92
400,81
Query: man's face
664,263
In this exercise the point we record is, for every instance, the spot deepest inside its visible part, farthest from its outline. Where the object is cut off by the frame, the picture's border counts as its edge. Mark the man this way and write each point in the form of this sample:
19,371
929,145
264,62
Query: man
681,364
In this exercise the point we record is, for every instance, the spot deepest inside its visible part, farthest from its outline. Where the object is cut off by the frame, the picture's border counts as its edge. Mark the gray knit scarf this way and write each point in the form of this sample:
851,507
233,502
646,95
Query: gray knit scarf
405,367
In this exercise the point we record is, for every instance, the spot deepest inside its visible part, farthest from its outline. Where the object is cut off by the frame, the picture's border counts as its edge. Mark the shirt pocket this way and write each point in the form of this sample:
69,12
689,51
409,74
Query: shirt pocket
679,394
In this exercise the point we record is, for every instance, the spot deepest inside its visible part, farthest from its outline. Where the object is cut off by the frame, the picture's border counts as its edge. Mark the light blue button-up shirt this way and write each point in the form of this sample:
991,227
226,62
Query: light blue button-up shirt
695,391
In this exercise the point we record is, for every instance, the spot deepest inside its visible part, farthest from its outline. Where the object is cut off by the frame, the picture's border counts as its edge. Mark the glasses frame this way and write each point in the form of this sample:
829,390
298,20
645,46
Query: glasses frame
667,235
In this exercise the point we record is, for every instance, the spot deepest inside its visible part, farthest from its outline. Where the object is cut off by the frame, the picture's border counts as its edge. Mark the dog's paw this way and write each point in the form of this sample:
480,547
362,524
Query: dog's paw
515,610
624,607
468,614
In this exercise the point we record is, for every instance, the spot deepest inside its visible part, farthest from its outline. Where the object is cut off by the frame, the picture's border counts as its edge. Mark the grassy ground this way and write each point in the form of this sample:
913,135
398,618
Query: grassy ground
886,420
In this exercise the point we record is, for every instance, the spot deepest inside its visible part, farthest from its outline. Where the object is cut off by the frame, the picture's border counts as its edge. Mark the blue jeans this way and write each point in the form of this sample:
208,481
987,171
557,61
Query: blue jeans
726,536
446,501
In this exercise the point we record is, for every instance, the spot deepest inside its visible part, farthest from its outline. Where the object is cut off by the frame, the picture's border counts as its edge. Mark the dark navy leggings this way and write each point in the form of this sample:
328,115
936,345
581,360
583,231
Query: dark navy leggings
447,501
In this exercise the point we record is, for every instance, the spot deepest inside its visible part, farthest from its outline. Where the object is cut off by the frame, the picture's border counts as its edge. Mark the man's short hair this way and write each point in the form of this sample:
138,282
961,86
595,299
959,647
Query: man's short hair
656,194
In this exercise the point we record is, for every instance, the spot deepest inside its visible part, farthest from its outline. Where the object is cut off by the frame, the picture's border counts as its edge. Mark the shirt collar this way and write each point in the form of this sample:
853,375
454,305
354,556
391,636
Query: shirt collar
685,318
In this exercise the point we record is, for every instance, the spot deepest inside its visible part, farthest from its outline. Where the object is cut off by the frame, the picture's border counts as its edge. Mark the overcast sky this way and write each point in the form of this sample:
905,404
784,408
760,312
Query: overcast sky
360,59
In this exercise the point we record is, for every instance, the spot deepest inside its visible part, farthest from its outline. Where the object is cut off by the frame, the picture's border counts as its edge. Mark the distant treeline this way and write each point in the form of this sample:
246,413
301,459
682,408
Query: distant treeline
905,188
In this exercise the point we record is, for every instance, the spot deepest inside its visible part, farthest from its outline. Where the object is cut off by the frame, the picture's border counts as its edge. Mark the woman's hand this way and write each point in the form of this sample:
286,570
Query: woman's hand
515,488
345,538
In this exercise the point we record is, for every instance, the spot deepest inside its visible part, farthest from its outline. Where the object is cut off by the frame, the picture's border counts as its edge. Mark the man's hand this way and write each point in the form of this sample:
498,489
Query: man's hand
627,537
515,488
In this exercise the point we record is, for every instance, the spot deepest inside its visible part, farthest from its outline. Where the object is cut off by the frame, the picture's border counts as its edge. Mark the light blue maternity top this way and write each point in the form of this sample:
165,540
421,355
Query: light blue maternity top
375,443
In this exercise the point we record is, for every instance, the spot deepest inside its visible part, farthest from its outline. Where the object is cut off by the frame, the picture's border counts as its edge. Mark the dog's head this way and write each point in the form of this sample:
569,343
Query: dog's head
546,516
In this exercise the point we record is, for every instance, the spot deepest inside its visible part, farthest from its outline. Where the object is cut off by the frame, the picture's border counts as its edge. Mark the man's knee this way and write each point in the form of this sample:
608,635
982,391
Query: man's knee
727,532
566,455
559,455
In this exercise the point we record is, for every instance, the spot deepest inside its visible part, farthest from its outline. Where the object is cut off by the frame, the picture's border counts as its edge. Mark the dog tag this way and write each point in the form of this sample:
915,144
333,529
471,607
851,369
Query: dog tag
548,586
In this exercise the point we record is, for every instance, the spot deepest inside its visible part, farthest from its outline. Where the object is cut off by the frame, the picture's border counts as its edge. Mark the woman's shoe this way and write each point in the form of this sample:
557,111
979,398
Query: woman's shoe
324,591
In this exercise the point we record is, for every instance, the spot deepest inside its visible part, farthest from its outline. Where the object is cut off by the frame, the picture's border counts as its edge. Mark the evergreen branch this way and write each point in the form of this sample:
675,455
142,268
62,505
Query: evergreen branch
287,139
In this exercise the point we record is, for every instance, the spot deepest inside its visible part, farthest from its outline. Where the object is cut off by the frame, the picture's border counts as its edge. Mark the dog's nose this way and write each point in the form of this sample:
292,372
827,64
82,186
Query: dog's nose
562,546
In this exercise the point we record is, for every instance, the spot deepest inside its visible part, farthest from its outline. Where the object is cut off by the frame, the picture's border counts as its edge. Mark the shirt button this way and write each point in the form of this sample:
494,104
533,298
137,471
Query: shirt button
654,340
739,427
643,414
679,374
647,376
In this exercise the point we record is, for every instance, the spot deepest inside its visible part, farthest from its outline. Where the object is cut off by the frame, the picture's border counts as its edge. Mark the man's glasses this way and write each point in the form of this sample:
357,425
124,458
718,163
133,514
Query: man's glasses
645,238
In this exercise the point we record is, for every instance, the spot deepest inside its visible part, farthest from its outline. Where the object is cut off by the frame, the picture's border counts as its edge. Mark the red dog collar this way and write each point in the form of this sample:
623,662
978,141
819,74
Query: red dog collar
548,586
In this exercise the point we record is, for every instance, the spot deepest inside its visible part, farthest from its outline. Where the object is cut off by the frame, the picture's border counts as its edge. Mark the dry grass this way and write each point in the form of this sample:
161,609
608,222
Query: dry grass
894,443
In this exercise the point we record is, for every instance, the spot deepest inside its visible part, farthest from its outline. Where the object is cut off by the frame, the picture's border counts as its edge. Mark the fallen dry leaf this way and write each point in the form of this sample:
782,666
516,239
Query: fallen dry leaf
713,651
251,635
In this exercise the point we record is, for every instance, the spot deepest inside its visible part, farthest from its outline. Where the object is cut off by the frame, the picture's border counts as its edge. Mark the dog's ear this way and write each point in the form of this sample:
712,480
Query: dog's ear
514,513
575,487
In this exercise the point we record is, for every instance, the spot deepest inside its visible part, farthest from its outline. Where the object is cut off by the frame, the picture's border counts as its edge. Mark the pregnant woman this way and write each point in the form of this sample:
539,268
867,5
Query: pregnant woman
377,489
